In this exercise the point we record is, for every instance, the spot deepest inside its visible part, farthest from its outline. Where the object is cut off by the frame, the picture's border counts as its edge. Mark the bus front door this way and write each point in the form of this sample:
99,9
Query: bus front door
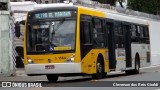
111,46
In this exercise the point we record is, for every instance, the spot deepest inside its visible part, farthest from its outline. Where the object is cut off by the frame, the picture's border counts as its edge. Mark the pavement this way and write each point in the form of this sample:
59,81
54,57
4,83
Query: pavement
21,76
20,72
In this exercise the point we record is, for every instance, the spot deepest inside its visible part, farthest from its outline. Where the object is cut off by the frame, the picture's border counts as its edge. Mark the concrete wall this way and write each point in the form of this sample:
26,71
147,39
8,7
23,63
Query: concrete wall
155,41
6,63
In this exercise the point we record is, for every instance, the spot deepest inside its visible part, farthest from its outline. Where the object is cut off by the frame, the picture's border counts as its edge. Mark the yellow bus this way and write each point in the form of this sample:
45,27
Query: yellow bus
64,41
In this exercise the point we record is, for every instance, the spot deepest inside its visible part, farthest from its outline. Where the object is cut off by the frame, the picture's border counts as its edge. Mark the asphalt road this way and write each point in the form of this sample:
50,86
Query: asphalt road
86,83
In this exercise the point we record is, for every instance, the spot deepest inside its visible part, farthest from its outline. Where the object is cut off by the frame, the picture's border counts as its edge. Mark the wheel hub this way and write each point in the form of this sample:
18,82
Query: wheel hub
99,67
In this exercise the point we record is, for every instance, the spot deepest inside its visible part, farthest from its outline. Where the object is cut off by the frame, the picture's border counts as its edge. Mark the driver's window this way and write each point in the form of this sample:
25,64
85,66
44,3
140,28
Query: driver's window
85,32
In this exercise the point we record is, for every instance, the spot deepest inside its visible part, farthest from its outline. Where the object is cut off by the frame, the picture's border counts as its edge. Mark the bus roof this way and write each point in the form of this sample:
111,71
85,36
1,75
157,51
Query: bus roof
40,6
51,8
126,18
109,14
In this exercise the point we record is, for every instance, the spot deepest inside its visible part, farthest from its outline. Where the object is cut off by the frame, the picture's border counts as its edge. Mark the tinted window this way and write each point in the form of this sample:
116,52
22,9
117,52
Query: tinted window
98,34
139,34
85,32
119,35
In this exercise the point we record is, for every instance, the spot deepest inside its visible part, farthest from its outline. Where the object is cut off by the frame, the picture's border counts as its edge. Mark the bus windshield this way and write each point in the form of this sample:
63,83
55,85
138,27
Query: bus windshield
51,35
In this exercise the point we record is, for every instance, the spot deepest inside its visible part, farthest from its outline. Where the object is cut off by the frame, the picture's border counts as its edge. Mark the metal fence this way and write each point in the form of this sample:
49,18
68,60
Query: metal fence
12,46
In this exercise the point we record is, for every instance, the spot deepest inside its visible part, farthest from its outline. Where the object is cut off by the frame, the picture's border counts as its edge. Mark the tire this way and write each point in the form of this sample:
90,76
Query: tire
129,72
52,78
137,65
99,70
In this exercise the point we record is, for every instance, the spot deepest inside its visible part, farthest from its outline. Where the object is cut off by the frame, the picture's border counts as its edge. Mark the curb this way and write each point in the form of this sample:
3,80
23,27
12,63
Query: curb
20,72
152,66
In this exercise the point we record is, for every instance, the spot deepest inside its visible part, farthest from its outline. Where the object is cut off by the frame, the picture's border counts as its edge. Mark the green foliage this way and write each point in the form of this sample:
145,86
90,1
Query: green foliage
147,6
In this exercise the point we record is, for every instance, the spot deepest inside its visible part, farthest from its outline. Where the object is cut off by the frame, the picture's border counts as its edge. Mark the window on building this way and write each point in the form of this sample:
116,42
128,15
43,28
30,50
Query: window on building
3,6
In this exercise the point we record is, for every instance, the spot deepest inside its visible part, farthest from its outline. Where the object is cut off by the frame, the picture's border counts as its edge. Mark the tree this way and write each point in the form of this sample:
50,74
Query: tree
147,6
121,3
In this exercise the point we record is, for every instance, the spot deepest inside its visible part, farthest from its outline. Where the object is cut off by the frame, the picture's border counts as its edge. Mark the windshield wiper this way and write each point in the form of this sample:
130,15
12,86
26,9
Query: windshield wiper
60,24
53,32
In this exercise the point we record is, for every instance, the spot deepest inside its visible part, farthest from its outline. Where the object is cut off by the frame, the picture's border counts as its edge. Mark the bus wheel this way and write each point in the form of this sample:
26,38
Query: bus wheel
137,65
136,68
99,74
52,78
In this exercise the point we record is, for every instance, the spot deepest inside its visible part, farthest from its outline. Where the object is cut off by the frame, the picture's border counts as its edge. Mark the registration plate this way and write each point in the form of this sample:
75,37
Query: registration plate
49,67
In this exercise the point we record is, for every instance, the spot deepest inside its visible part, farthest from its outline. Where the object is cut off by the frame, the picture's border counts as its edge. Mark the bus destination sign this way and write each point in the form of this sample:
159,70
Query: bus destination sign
52,14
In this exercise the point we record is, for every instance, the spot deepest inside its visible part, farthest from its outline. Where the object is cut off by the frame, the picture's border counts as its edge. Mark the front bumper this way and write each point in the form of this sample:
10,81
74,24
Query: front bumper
59,68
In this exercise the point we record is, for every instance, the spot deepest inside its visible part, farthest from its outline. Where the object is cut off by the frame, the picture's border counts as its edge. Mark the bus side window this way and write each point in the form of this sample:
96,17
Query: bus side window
133,30
142,31
98,34
85,32
142,38
134,34
138,31
119,35
146,35
146,32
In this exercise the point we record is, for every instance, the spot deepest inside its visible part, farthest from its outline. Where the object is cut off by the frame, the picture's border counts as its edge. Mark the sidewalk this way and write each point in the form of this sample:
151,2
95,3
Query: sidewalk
21,76
20,72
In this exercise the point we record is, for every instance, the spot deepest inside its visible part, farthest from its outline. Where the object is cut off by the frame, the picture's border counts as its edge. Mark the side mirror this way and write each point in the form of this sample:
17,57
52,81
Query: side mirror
17,30
19,50
22,22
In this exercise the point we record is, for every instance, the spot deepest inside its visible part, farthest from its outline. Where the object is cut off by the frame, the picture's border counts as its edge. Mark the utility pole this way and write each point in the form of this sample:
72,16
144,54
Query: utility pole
6,60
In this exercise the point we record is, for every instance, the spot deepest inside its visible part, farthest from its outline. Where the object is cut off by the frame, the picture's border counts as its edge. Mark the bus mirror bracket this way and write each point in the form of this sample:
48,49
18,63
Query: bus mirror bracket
22,22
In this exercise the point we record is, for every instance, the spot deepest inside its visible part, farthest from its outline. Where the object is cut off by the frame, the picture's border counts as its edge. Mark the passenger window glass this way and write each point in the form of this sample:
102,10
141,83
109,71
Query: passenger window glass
85,32
98,25
142,31
98,34
133,30
146,32
119,35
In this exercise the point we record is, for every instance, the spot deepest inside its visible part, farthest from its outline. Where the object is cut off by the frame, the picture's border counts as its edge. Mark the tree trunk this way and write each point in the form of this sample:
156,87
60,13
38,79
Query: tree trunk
121,4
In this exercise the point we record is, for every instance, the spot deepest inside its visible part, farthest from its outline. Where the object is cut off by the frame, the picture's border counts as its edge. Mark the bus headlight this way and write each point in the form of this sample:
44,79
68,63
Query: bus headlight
30,61
71,58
